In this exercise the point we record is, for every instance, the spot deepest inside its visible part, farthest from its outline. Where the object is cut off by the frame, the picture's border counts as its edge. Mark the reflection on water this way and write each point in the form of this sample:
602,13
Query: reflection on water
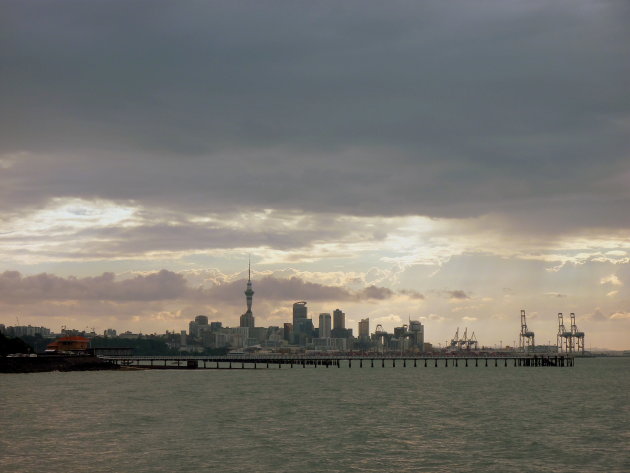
320,420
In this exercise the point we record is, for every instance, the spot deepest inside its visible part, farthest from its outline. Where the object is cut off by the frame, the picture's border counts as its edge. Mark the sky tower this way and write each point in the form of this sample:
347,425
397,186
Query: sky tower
247,319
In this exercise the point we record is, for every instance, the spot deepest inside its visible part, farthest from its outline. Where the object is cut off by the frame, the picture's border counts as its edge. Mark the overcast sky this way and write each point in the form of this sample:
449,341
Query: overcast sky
453,162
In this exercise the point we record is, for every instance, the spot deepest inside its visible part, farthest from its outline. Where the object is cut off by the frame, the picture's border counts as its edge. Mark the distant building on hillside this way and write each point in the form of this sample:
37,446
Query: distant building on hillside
26,331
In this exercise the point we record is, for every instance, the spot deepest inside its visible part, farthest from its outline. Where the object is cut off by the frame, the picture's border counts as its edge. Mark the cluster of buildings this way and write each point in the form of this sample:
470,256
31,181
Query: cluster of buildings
301,333
331,333
24,331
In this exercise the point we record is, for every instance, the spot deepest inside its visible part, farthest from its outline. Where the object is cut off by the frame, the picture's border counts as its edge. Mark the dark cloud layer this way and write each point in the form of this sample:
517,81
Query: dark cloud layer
437,108
294,289
167,285
162,285
457,294
192,236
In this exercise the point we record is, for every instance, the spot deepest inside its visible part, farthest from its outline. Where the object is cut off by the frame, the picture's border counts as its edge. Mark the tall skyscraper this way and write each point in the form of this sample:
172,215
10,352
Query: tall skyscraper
324,325
364,329
417,331
299,312
302,326
339,325
247,319
288,332
339,320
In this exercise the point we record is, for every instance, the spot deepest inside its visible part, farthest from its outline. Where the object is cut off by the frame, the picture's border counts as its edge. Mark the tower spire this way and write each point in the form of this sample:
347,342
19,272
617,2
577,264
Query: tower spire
247,319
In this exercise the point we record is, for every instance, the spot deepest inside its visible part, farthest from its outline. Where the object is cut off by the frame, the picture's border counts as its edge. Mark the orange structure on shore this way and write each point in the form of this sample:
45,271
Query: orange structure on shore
69,344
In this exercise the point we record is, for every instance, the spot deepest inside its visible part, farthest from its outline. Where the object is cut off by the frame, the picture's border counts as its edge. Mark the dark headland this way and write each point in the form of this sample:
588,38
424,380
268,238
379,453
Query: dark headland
26,364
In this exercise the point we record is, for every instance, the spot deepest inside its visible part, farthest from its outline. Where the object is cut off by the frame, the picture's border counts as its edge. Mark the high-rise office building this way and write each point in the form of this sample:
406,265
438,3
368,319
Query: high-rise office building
302,326
416,329
364,329
339,320
339,329
247,319
324,325
300,311
201,319
198,326
288,332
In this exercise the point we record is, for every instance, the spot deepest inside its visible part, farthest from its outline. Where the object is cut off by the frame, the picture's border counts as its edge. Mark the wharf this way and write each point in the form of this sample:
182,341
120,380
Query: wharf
359,361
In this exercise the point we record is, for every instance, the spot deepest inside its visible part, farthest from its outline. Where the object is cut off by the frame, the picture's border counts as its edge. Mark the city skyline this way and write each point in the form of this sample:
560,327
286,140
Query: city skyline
302,331
450,163
444,331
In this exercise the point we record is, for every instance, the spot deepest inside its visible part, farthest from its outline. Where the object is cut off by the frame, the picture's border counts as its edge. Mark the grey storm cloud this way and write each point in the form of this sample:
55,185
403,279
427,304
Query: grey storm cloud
167,285
457,294
294,289
162,285
447,109
187,236
412,294
379,293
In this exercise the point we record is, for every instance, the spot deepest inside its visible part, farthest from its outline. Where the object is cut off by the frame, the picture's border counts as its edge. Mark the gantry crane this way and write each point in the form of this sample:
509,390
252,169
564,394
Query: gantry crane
462,342
576,336
455,340
565,337
526,337
472,342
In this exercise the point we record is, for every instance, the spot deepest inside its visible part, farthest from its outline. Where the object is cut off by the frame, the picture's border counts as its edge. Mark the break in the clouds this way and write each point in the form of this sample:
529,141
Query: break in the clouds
407,157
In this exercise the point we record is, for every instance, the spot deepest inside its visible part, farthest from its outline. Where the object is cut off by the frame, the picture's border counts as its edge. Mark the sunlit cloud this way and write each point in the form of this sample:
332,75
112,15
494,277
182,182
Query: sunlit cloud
390,320
613,280
555,294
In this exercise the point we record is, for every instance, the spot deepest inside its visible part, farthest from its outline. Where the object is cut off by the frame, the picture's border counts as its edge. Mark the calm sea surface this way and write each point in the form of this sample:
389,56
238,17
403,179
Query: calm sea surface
320,420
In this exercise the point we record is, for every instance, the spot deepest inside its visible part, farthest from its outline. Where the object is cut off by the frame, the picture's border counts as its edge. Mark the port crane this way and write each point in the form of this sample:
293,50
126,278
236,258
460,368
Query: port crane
526,337
565,338
455,341
472,343
577,337
464,342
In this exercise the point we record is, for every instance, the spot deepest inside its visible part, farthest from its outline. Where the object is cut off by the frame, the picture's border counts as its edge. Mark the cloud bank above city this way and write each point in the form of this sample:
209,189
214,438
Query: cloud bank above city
450,161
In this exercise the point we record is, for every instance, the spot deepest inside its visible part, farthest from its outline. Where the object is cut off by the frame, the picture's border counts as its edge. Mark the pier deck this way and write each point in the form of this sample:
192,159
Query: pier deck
348,361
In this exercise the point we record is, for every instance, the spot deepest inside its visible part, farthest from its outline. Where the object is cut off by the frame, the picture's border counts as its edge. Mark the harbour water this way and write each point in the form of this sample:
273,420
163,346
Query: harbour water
320,420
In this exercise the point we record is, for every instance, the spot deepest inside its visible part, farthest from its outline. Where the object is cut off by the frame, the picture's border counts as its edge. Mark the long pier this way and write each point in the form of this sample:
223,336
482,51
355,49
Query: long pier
327,361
